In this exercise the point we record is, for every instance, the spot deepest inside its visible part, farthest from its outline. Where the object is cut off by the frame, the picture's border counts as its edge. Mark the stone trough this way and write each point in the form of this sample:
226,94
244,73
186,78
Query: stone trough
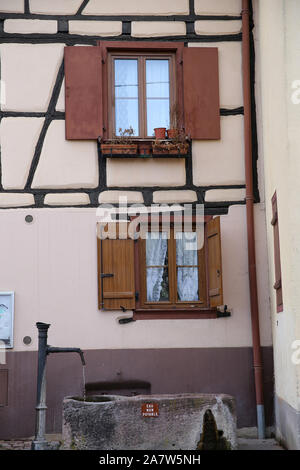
155,422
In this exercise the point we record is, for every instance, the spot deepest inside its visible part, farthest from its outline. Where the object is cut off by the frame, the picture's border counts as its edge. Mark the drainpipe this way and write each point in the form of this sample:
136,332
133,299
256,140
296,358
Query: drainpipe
257,360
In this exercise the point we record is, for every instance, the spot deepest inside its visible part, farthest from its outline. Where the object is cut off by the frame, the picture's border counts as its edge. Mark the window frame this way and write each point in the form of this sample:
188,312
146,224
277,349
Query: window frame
173,301
108,48
141,58
144,308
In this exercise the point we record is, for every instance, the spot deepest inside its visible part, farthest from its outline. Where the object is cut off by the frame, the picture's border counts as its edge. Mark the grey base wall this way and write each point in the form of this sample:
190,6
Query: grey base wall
287,424
203,370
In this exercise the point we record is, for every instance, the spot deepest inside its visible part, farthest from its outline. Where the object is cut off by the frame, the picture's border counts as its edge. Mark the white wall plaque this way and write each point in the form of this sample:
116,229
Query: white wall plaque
6,319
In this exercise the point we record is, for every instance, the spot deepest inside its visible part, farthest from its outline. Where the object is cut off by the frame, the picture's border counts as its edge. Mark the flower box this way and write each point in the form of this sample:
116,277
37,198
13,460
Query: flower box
169,148
119,149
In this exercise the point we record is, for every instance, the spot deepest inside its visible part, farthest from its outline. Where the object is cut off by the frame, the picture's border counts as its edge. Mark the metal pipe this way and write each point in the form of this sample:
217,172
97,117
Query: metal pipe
51,349
39,442
257,359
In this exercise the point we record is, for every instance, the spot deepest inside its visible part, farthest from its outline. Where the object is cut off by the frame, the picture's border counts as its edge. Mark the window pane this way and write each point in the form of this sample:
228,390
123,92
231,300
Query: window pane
157,284
158,115
126,78
158,94
126,95
157,78
186,249
157,278
157,249
187,284
127,114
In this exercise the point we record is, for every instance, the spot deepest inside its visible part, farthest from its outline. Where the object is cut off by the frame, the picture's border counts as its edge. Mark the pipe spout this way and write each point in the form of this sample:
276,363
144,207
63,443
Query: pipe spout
52,349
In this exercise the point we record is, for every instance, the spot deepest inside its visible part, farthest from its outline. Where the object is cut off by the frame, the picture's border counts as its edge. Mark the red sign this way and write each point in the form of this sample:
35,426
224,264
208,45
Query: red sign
150,410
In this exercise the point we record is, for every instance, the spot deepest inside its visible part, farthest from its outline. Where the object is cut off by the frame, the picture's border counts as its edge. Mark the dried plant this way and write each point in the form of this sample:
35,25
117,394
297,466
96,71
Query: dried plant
175,116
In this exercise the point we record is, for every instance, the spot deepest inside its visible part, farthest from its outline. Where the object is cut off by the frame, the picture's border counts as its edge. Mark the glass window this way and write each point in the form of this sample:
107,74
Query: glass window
158,94
157,267
126,95
141,92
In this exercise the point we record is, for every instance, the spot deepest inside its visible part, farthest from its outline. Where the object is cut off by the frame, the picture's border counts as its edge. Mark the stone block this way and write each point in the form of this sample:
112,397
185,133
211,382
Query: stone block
218,7
29,72
185,421
66,199
142,29
30,26
215,28
95,28
16,200
19,136
145,172
221,162
12,6
174,196
112,197
54,7
60,105
215,195
137,7
65,164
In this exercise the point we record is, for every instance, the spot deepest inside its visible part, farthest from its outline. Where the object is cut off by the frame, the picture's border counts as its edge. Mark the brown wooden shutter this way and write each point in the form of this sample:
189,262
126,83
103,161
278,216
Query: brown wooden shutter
116,273
83,82
277,285
201,92
214,261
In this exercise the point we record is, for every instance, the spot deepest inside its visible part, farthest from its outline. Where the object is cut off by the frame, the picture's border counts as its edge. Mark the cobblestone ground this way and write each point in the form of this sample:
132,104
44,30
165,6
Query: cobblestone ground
20,444
25,444
244,444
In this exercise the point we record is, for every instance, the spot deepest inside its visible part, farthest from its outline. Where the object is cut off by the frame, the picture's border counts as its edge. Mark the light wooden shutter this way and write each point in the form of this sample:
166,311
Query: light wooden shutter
201,92
214,255
277,285
83,92
116,272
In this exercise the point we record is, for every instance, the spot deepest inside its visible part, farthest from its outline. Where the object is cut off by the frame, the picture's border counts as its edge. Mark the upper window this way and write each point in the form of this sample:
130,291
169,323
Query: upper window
137,84
141,93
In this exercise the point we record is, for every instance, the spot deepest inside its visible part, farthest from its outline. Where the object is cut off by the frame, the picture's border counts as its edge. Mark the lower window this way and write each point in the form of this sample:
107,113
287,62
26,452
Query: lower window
162,270
173,269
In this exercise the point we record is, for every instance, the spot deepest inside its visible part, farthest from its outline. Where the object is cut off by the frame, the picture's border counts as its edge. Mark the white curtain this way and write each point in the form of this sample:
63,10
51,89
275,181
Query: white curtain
187,255
156,250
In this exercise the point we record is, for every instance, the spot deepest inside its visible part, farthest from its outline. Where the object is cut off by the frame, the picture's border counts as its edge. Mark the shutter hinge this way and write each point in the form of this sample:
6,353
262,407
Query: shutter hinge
137,295
103,275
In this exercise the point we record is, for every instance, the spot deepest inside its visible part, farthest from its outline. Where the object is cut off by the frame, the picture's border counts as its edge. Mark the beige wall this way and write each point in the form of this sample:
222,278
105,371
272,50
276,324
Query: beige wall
54,275
278,56
53,270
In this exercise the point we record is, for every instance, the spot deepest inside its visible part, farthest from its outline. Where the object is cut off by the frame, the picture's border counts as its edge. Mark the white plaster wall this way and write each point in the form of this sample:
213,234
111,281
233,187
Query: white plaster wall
221,162
18,139
218,7
278,43
51,264
137,7
29,72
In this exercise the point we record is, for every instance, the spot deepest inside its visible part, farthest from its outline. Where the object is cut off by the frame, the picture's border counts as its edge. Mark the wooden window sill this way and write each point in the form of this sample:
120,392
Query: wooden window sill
177,314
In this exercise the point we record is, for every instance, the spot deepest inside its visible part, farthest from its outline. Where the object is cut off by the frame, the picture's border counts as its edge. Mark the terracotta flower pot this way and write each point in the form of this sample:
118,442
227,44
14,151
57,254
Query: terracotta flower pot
160,133
172,133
